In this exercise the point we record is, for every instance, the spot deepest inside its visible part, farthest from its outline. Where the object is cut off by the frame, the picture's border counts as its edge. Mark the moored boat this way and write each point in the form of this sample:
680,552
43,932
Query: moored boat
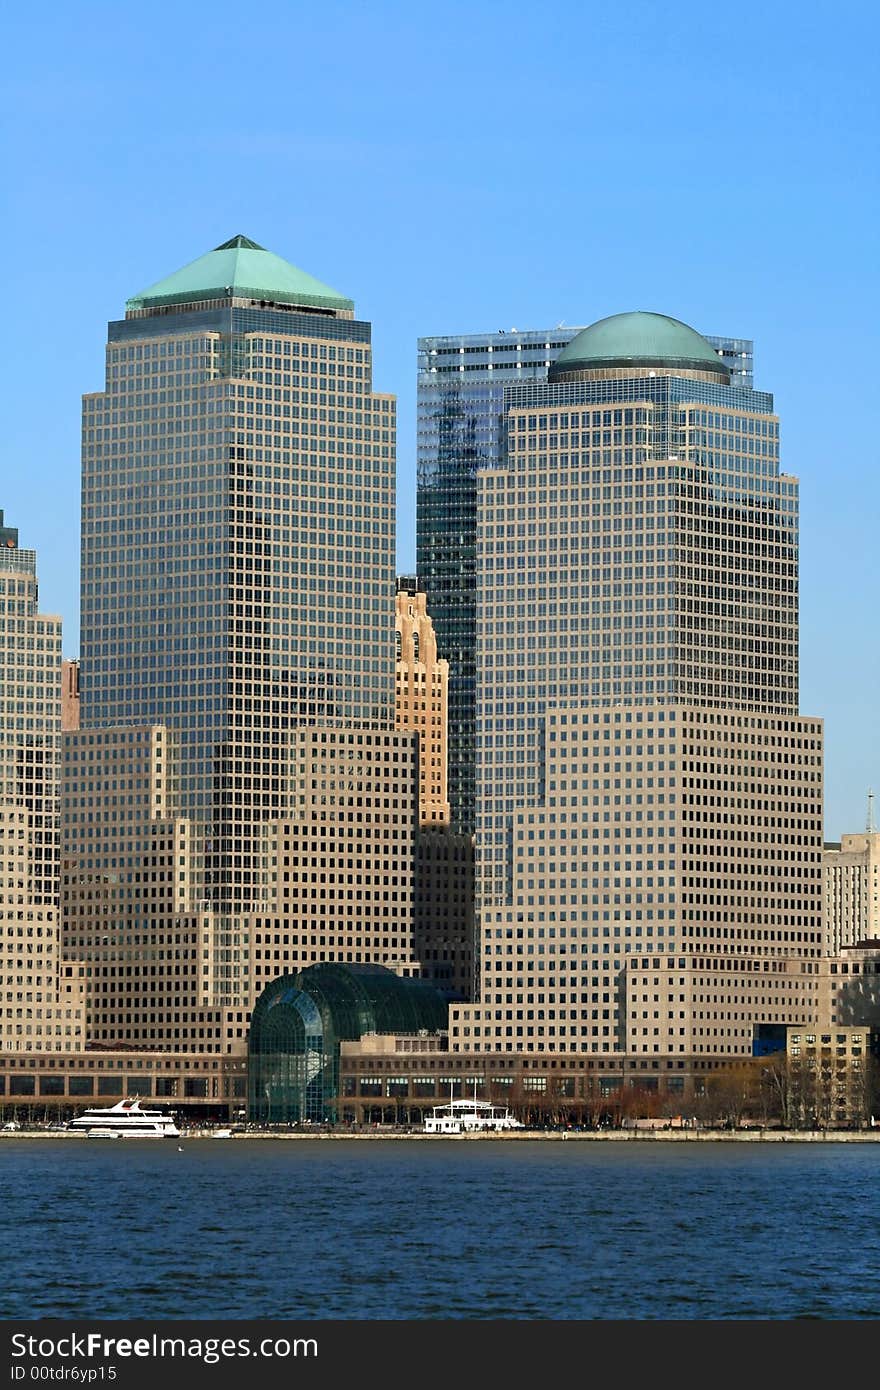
126,1120
470,1117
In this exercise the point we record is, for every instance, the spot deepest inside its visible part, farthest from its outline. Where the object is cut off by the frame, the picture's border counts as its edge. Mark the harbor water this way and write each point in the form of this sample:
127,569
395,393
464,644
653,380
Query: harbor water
439,1229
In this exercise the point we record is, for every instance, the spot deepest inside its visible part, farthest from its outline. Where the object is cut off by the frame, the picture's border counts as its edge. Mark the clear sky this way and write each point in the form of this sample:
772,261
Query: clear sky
463,167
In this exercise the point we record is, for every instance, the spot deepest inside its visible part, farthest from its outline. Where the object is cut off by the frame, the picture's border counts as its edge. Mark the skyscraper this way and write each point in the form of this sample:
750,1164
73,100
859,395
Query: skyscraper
237,536
37,1012
443,921
422,696
30,715
462,429
642,776
237,659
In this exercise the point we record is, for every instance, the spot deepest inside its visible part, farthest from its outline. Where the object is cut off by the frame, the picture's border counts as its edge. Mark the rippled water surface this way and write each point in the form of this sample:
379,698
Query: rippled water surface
375,1229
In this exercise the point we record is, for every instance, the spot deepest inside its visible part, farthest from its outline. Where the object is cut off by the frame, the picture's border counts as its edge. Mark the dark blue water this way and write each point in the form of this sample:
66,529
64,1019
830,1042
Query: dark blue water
374,1229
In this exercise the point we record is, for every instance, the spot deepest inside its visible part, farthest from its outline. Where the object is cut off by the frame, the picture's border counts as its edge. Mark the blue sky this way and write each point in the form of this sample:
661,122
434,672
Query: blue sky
463,167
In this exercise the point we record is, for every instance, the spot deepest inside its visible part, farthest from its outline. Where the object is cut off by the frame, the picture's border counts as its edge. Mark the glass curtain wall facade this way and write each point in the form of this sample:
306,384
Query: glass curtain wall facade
462,428
300,1020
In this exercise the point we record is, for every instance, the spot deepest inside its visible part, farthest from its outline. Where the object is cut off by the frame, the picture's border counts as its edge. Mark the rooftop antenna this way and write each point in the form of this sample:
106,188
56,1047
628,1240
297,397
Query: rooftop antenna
870,828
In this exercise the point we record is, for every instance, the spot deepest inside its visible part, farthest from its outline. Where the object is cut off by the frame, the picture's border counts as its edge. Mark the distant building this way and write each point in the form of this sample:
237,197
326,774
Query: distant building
40,1006
69,695
849,986
443,910
851,891
421,698
832,1076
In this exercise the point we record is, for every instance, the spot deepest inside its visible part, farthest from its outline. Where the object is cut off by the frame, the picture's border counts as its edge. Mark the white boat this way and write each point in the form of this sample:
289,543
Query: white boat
222,1134
470,1117
126,1120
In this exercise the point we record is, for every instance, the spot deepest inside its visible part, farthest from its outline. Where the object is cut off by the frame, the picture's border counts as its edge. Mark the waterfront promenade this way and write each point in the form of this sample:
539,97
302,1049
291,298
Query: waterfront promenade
385,1133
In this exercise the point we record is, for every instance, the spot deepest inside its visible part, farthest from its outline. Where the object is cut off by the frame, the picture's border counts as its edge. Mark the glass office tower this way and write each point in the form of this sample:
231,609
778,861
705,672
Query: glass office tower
461,429
238,517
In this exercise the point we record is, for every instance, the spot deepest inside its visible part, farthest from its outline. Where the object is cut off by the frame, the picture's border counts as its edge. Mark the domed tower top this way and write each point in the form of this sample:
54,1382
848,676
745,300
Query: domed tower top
635,343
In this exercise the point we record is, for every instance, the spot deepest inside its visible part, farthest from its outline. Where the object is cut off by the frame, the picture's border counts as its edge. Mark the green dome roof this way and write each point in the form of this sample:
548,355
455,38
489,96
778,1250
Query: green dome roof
242,268
639,340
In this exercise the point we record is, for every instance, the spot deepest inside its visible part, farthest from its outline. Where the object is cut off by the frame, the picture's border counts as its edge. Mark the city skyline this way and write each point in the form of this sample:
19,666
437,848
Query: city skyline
778,196
439,500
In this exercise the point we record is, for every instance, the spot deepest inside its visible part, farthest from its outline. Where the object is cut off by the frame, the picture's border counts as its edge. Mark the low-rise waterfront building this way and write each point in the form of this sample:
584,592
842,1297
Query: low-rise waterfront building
832,1076
36,1087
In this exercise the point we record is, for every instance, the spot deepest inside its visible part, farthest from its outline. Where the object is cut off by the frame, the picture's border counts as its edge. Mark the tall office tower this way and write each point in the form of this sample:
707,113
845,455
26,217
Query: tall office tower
443,909
37,1011
462,427
422,698
238,589
636,568
30,705
237,537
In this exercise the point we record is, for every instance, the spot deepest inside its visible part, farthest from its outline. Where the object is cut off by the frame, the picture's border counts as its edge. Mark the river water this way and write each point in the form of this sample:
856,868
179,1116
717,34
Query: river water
441,1229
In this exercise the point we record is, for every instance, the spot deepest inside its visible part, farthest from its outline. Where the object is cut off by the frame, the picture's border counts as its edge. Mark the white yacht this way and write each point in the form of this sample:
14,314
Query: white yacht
470,1117
125,1120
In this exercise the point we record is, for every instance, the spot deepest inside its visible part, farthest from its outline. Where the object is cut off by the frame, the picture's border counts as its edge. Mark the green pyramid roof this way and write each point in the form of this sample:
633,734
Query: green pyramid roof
639,340
242,268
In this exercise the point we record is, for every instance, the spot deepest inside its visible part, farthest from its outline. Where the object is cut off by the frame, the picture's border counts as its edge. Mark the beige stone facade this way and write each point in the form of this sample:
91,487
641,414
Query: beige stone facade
40,1005
400,1078
161,968
831,1076
851,891
849,987
687,839
342,865
422,682
129,925
36,1087
444,870
239,801
707,1005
